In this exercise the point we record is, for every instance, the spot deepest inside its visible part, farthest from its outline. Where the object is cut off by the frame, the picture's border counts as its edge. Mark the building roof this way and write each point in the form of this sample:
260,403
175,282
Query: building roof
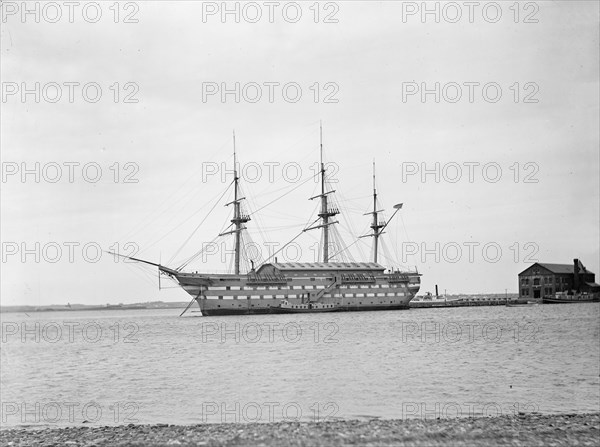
559,268
327,266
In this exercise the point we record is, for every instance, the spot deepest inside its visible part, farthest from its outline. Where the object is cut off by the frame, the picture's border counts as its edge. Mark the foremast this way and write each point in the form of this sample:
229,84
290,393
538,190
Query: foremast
239,218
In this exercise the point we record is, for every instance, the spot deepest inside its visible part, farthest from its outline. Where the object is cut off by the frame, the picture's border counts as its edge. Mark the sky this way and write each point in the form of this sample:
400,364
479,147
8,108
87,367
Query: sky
117,121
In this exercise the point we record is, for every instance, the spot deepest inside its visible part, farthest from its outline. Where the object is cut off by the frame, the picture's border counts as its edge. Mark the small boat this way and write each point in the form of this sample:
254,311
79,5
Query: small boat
122,306
577,298
527,304
286,307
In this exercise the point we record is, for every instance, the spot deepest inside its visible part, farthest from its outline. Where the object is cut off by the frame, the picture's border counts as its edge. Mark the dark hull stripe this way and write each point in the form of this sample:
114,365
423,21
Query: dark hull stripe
257,311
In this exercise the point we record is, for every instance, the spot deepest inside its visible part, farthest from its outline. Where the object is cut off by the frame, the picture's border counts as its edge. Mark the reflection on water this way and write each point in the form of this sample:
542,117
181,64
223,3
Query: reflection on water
149,366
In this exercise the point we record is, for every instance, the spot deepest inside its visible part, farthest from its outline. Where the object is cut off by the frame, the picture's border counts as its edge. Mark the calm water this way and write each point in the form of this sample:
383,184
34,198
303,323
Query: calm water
149,366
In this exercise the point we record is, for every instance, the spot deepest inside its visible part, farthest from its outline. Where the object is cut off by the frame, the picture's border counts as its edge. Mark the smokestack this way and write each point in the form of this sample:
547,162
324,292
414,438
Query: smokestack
576,281
436,292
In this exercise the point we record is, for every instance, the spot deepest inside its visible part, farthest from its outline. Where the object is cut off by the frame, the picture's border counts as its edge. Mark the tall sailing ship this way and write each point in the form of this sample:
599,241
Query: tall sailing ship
290,287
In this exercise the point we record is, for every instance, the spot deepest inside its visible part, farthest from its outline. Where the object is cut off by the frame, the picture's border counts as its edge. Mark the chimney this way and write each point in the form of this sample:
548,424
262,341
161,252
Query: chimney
576,284
436,292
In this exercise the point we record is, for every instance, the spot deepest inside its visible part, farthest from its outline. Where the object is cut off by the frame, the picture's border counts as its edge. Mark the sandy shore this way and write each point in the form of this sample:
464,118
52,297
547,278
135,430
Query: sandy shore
523,430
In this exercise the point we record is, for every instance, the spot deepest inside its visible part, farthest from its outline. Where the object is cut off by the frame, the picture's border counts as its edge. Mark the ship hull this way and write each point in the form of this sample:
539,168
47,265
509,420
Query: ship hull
286,288
254,311
211,307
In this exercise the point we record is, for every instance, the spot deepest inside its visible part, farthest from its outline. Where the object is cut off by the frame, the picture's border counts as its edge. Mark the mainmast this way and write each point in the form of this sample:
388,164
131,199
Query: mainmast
238,217
325,213
326,210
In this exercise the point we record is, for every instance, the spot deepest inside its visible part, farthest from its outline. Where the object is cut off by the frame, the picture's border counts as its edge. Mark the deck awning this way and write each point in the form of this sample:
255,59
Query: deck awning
328,266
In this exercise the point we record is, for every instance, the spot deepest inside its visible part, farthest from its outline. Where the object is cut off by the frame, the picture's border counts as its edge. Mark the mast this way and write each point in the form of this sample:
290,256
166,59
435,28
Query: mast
238,218
325,213
378,225
375,225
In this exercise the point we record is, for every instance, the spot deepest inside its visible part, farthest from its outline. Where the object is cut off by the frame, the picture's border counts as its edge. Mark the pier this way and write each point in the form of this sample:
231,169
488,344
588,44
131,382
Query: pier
465,303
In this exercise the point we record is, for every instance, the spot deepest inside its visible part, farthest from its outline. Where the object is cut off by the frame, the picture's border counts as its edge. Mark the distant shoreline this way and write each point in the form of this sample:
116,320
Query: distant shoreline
524,429
438,304
183,304
154,305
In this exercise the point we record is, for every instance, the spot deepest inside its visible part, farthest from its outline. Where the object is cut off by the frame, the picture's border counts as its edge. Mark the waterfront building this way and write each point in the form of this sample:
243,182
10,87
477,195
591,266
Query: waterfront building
543,279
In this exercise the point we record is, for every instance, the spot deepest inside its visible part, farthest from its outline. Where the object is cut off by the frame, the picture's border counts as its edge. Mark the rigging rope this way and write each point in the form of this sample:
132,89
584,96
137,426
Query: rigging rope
346,248
283,195
195,255
288,243
147,220
198,226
